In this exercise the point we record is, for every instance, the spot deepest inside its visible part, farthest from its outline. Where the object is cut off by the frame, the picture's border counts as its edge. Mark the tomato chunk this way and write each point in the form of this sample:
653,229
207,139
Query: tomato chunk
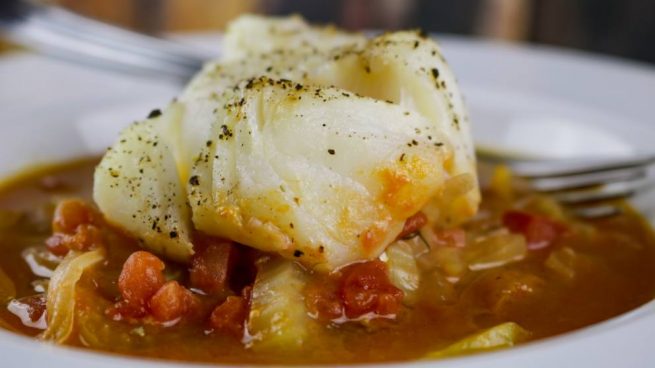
57,244
172,301
322,300
71,213
84,238
230,316
357,290
212,265
365,288
413,224
140,278
75,227
539,231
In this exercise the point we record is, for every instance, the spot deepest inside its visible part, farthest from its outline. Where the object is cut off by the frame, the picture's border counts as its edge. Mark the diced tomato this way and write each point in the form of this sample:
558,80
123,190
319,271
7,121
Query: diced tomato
230,316
83,238
71,213
212,265
539,231
413,224
140,278
56,244
356,290
75,227
322,300
173,301
86,237
365,288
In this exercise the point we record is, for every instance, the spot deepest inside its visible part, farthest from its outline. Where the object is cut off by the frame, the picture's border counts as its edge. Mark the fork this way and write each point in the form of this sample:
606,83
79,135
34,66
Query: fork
57,32
589,186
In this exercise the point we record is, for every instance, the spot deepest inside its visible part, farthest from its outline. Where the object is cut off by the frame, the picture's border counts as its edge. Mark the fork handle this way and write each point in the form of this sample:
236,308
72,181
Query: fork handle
62,34
12,9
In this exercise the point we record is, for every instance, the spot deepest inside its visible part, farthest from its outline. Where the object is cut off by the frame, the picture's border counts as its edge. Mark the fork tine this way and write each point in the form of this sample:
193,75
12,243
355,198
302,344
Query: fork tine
597,212
566,183
585,185
552,168
65,22
608,192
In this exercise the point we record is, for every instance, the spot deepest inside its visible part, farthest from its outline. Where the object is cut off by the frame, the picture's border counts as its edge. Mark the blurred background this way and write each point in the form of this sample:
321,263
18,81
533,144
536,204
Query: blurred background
623,28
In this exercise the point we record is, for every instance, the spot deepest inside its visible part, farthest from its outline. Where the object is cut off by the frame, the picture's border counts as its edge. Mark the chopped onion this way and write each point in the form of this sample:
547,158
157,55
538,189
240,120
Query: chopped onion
22,311
60,305
563,262
40,285
501,336
403,271
495,250
449,260
40,260
278,318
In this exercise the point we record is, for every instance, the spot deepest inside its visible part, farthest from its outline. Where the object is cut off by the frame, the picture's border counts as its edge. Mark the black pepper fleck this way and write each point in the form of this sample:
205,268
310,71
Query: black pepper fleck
154,113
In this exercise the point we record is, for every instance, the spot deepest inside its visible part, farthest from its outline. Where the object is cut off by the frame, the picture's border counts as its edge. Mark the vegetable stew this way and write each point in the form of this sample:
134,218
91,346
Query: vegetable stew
521,270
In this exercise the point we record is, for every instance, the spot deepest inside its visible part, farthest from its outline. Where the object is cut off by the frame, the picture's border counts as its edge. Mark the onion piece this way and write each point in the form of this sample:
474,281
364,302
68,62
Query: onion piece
403,271
278,318
501,336
41,262
562,262
23,309
495,250
60,305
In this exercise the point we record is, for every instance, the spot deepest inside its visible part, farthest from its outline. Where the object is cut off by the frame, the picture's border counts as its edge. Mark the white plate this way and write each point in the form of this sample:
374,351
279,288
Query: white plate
542,101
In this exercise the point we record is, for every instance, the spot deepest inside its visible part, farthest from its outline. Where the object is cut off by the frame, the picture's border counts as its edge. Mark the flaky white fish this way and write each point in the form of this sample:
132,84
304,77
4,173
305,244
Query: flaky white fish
314,148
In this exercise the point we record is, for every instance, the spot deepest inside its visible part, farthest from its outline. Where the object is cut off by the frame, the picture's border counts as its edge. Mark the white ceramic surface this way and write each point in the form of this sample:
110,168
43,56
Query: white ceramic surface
538,100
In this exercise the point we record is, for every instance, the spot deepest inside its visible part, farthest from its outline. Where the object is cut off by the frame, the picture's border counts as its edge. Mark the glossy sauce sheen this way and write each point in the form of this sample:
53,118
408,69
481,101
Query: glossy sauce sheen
616,274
